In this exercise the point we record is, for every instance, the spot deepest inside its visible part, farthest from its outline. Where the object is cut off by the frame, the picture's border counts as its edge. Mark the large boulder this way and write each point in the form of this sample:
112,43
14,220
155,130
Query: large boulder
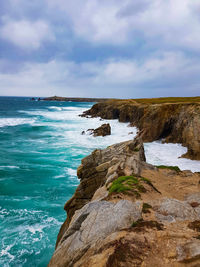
103,130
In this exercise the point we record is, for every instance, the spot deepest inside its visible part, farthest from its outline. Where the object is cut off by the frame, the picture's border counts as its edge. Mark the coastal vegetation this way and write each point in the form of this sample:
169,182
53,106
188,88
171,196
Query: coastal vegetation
129,184
160,100
173,168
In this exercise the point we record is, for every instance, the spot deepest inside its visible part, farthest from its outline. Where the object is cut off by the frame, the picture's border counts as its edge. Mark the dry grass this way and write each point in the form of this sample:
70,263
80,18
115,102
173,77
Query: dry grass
161,100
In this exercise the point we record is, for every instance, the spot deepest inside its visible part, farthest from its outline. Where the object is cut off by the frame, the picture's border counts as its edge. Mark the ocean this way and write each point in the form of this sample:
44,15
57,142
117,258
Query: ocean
41,146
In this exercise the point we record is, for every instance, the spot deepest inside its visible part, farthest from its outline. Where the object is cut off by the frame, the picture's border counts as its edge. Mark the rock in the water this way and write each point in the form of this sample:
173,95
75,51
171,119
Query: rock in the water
174,122
103,130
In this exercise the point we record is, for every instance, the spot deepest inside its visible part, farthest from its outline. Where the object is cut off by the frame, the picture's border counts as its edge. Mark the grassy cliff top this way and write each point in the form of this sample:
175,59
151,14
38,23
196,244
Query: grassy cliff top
161,100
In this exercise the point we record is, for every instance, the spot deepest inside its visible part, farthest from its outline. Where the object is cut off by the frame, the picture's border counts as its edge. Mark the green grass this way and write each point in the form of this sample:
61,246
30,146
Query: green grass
125,184
174,168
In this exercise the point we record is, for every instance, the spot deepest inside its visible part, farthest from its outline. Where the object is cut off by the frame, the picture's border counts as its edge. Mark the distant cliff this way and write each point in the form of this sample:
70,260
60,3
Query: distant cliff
74,99
175,120
128,213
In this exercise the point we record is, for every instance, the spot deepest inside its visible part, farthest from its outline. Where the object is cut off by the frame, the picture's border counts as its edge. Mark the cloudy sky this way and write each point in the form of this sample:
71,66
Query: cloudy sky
100,48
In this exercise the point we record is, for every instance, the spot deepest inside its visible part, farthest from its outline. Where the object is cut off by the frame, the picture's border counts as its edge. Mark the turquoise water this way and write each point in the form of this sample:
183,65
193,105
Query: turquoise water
40,148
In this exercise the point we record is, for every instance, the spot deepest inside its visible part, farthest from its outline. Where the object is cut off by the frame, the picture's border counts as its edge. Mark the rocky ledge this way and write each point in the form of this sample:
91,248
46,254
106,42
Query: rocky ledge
127,213
175,122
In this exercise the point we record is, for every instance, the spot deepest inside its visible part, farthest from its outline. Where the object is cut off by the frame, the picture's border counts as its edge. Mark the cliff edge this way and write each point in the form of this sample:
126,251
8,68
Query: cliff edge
174,120
127,213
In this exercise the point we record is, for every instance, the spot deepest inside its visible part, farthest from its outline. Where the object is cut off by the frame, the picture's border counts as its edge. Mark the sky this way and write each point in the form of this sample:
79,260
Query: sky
100,48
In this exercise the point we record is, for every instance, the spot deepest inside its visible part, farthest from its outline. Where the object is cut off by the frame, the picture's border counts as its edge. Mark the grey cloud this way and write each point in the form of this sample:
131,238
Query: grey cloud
133,8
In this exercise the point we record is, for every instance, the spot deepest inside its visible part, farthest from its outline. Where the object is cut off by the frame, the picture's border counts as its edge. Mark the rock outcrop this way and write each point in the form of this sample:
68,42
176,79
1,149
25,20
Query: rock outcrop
172,122
103,130
127,213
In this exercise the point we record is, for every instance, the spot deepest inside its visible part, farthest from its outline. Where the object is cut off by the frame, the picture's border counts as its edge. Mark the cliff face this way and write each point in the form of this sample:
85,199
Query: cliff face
172,122
127,213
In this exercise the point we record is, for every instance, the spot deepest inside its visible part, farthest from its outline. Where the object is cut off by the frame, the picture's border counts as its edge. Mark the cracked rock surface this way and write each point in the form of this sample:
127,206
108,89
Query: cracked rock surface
152,219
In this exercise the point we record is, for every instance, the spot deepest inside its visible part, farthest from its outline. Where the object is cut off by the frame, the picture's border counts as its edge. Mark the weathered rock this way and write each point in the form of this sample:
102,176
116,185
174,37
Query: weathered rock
172,210
95,167
103,130
91,225
189,251
175,122
119,229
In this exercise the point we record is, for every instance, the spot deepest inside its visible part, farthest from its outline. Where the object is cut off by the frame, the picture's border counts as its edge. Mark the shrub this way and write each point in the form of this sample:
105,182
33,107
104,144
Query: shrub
126,184
174,168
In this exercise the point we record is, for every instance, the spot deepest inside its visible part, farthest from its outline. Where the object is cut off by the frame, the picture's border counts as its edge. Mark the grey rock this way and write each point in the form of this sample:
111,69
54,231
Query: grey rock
90,224
189,251
174,210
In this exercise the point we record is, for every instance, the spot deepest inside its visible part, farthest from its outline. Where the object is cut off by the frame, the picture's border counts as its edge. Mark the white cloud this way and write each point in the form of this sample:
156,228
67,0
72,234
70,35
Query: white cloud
172,22
162,74
26,34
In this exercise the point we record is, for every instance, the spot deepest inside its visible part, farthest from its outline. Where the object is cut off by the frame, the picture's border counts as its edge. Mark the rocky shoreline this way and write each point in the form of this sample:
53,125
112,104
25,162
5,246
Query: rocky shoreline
126,212
171,122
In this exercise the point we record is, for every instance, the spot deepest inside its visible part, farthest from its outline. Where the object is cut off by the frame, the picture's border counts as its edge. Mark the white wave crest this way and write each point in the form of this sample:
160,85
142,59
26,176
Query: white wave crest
55,108
169,154
9,167
15,121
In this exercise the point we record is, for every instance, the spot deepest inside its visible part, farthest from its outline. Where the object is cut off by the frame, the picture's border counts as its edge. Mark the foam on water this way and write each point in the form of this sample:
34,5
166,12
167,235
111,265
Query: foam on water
169,154
71,125
9,167
14,121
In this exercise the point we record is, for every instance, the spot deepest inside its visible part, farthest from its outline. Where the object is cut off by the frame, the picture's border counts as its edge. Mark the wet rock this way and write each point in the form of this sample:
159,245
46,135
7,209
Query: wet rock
103,130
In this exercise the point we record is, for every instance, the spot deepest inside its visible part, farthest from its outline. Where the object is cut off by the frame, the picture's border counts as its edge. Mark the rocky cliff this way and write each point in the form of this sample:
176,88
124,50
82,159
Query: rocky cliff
176,122
127,213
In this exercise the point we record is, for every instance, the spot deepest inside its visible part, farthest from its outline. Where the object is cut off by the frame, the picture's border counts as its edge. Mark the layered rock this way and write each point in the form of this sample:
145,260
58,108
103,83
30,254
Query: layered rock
116,160
126,212
103,130
172,122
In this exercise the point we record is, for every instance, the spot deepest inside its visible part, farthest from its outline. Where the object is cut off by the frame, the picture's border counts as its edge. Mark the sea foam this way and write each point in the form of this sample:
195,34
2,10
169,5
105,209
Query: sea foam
15,121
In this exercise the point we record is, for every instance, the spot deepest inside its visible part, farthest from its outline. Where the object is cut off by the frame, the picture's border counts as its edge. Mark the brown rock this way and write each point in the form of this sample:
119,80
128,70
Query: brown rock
172,122
103,130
